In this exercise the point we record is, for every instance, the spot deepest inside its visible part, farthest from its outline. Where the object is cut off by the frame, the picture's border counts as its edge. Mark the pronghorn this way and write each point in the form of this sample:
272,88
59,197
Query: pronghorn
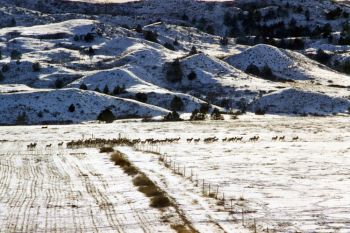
31,145
189,140
254,139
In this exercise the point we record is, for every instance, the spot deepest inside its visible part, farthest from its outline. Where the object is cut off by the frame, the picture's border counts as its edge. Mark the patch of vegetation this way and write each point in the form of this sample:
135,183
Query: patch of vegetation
2,77
150,191
176,42
266,73
322,57
21,119
176,104
216,115
204,108
118,90
160,201
16,55
169,46
106,90
174,71
346,67
89,37
260,111
253,69
36,67
150,36
59,83
5,67
334,14
182,229
172,116
224,41
40,114
192,76
193,50
120,160
142,97
197,116
106,149
71,108
138,28
140,180
106,116
91,51
83,86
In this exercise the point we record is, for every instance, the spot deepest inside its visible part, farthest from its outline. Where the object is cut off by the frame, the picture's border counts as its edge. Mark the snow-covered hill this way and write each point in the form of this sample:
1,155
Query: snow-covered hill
156,53
297,101
287,65
124,83
53,106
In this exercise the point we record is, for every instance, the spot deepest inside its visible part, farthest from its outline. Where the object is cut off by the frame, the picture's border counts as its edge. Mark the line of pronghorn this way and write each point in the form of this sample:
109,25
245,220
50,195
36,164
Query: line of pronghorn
97,142
239,139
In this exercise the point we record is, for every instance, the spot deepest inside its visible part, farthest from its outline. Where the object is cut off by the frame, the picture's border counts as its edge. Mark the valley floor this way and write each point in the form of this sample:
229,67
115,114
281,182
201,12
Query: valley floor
282,185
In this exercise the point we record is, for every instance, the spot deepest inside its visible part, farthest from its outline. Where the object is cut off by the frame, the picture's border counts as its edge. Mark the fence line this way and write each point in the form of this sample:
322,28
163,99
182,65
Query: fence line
207,188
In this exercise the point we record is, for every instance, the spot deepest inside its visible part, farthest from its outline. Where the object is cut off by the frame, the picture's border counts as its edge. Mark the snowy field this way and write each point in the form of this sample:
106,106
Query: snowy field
299,185
58,190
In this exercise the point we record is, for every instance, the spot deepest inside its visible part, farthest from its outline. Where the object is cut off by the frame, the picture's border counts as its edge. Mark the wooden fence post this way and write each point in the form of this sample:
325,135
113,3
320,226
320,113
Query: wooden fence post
242,217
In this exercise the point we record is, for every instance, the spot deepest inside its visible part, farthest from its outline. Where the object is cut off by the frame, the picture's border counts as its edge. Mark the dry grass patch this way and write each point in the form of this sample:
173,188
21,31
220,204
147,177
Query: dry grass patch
150,191
107,149
183,229
159,198
131,170
160,201
119,159
142,180
146,186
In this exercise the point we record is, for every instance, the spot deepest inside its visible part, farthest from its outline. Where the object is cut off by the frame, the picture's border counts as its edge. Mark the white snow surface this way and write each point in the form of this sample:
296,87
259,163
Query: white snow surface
285,186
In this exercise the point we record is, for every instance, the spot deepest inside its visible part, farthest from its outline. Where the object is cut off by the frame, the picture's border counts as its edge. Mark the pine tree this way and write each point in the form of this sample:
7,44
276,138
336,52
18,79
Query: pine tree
71,108
83,86
106,116
176,104
106,90
2,77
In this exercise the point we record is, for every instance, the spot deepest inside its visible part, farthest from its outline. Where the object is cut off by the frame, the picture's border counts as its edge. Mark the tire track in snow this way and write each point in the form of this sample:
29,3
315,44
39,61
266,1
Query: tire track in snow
52,191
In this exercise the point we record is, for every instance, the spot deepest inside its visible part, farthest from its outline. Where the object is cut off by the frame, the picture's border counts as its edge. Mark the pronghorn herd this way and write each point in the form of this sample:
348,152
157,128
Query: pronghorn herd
98,142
